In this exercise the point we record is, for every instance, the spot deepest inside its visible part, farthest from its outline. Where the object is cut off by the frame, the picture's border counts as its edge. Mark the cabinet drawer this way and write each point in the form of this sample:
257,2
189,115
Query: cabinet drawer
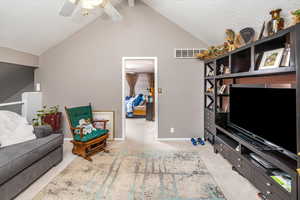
270,189
244,168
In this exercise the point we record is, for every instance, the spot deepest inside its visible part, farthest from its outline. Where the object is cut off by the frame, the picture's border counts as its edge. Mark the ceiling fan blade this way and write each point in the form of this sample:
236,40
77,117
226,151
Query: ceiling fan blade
131,3
111,11
68,8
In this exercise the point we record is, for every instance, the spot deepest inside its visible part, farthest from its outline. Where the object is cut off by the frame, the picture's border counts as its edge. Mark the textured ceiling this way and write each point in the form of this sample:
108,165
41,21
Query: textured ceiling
207,20
33,26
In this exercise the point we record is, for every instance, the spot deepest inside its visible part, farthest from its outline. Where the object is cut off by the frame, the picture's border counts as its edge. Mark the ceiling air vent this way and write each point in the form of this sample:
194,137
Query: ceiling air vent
186,53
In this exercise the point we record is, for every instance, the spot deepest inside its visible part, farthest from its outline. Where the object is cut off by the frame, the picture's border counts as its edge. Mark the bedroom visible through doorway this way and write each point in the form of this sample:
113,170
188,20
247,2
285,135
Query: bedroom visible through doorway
139,99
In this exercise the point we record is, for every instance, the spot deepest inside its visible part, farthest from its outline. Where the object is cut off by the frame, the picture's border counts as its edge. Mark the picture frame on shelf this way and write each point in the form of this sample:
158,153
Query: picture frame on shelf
106,115
286,57
271,59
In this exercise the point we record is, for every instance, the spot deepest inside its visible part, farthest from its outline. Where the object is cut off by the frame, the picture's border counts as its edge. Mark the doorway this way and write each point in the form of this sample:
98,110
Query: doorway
139,97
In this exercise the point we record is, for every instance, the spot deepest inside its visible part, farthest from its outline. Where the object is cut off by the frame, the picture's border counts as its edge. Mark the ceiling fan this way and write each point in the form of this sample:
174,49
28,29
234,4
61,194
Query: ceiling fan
87,6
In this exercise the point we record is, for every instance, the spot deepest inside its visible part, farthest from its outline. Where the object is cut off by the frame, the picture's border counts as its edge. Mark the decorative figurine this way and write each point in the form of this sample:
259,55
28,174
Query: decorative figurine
227,70
276,23
296,16
247,34
221,70
230,36
238,42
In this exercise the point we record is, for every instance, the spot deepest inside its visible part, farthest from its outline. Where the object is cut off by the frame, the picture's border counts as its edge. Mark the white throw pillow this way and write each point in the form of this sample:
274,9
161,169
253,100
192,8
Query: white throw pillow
14,129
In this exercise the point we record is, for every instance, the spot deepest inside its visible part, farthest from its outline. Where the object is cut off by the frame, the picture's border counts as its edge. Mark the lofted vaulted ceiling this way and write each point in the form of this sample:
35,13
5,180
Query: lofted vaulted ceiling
34,26
207,20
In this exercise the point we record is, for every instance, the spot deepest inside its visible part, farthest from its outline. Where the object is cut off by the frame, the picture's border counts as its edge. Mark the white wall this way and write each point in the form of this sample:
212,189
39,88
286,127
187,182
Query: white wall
87,67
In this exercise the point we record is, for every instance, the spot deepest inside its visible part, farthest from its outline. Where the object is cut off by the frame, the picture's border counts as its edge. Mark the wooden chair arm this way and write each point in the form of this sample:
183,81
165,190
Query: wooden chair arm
81,131
104,121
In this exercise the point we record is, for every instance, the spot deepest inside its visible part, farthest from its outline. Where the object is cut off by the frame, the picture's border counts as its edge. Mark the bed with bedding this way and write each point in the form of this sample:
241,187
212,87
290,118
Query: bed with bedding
135,106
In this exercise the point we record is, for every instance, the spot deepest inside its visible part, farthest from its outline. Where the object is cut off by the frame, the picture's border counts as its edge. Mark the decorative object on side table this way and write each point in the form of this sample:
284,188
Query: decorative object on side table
296,16
110,125
276,23
49,116
247,34
271,59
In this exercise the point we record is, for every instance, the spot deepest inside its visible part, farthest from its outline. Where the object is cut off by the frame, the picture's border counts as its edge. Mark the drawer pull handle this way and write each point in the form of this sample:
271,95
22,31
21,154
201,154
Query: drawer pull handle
268,184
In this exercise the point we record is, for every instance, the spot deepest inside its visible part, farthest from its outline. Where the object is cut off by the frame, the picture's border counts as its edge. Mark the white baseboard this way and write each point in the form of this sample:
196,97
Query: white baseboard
119,139
173,139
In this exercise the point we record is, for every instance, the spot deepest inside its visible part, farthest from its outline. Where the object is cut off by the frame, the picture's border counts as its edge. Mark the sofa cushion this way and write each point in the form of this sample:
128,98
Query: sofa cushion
94,134
15,158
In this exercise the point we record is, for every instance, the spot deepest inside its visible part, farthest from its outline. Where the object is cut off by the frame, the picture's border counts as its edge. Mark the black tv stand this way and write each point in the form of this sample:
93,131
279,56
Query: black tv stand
226,142
242,67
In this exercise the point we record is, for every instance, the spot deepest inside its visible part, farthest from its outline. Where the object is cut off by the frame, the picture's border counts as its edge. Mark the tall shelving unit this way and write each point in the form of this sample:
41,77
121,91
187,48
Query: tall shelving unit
244,69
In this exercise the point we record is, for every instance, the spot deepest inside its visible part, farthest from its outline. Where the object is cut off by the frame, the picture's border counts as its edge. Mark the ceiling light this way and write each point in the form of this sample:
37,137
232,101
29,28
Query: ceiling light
95,2
73,1
87,5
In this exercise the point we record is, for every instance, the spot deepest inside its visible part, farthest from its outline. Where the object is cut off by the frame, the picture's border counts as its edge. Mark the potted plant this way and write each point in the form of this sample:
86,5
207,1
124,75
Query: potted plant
50,116
296,16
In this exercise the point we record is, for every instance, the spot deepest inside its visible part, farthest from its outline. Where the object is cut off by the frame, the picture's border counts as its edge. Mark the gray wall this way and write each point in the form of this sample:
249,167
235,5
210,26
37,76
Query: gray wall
87,68
14,80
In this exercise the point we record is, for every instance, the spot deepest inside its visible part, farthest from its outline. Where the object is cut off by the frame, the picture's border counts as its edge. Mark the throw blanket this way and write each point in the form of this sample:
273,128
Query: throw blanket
132,102
14,129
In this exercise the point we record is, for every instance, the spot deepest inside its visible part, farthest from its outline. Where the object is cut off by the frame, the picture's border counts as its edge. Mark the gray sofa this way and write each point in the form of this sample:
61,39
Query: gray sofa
22,164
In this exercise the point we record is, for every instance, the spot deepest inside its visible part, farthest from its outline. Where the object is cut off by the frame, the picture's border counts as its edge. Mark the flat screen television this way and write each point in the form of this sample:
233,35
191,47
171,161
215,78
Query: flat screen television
268,114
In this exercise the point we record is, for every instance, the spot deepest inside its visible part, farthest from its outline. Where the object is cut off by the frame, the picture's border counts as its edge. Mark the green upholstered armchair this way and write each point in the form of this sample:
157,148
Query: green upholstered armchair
87,139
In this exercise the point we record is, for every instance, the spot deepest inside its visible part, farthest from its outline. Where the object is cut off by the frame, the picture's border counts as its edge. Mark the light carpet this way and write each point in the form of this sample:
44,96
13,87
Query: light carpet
129,175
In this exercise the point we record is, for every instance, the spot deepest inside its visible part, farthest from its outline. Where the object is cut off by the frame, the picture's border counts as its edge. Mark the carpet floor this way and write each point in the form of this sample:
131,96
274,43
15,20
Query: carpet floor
130,175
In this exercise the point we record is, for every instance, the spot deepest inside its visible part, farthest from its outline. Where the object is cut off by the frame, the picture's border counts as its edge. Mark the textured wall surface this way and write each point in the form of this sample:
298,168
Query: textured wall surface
87,68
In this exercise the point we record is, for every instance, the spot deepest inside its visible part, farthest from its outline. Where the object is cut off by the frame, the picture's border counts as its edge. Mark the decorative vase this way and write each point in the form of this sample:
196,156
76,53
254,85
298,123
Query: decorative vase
276,23
54,120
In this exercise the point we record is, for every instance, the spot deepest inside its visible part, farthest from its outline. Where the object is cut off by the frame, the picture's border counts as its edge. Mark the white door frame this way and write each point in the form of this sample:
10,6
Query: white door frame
124,59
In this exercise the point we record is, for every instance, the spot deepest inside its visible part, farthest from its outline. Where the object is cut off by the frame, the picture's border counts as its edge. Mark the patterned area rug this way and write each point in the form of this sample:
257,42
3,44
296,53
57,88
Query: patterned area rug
134,176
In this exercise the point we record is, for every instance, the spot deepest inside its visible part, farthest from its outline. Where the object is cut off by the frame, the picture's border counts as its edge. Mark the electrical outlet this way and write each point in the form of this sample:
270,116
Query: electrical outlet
172,130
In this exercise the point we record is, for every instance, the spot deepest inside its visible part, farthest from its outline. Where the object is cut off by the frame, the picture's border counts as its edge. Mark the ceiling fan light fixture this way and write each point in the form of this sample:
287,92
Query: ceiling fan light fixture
87,5
96,2
73,1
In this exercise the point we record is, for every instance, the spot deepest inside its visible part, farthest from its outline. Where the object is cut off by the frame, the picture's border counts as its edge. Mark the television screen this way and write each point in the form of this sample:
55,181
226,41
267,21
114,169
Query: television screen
269,113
